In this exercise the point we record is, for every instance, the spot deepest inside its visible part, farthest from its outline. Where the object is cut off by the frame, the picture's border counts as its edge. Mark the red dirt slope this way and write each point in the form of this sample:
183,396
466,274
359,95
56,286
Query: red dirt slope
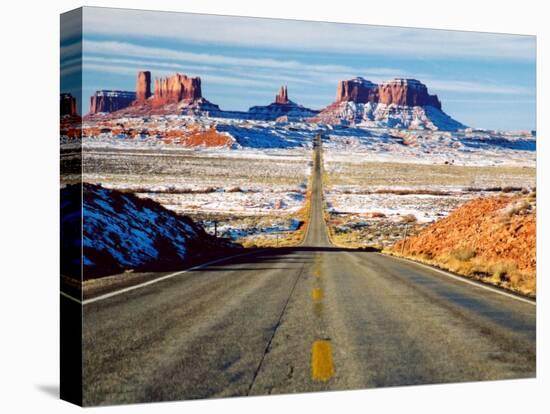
491,239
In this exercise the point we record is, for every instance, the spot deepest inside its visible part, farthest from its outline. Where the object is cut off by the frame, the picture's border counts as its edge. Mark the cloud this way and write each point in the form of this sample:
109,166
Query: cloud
158,67
278,71
71,23
493,101
71,51
306,35
134,50
132,71
475,87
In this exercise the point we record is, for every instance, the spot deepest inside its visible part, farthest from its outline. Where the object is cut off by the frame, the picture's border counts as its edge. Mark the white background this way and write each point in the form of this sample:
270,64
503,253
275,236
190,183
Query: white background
29,105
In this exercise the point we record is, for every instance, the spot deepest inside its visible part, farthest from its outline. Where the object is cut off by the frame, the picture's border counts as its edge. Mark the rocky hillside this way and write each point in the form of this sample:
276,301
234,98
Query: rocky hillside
122,231
399,103
491,239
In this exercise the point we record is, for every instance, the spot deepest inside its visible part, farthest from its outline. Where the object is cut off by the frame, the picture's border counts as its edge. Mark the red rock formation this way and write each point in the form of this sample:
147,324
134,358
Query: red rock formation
282,96
403,92
176,88
406,92
282,110
67,105
400,103
358,90
143,86
110,101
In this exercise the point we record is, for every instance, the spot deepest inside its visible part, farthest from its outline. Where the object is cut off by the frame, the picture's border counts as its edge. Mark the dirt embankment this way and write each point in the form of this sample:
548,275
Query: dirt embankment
491,239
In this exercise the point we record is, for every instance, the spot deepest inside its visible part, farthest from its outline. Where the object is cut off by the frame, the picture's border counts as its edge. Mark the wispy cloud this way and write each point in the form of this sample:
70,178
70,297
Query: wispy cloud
493,101
131,71
305,35
208,65
159,68
475,87
134,50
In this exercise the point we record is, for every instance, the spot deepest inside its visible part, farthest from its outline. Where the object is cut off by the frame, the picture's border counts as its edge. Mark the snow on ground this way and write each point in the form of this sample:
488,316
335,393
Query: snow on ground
430,147
235,232
246,192
426,191
373,114
463,147
264,168
238,203
425,208
121,232
195,182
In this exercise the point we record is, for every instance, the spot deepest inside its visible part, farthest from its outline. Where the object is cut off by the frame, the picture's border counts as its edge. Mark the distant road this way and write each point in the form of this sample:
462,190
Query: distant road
310,318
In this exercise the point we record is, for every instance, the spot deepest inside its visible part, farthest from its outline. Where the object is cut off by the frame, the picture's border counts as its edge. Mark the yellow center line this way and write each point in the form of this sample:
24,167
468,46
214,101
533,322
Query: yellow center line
317,294
322,367
317,309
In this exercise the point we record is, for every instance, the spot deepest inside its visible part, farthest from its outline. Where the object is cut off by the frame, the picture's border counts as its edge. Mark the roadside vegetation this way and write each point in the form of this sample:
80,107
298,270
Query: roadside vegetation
492,239
284,238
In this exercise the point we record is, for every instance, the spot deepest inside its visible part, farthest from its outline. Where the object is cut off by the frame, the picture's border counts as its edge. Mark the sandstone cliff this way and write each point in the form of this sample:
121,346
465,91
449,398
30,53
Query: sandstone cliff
176,88
67,105
143,86
406,92
402,92
105,101
357,90
398,103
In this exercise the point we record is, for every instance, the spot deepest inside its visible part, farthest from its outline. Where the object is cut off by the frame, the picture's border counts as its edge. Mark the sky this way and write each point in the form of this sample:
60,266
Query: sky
483,80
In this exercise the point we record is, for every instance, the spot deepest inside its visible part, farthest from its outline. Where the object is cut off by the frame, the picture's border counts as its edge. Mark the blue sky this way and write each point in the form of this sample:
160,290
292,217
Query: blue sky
483,80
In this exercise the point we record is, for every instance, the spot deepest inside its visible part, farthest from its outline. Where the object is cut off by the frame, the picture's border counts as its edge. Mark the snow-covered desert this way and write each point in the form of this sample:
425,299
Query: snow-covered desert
394,162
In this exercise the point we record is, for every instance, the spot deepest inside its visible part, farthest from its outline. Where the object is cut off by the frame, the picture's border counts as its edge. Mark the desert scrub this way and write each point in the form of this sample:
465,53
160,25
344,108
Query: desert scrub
282,239
463,254
288,238
518,207
503,271
492,239
504,274
427,176
408,218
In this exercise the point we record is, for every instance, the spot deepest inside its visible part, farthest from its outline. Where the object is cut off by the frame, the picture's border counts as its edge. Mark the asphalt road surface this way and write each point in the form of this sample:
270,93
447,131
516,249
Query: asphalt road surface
310,318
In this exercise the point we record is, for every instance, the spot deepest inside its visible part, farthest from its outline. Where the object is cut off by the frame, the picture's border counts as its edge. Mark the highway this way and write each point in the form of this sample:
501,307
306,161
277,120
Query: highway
310,318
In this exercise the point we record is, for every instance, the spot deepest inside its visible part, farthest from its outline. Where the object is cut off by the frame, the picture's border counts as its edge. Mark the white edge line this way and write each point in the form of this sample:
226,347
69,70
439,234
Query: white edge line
70,297
463,279
159,279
